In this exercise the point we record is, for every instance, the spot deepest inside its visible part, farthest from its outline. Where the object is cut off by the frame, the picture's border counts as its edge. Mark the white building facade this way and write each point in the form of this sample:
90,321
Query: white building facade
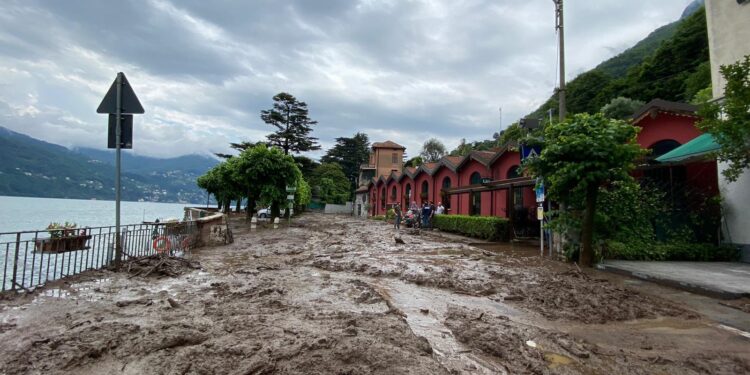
729,41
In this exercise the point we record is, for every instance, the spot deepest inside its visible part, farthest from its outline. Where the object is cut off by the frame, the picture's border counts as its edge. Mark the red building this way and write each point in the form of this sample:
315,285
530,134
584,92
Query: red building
665,126
482,183
489,183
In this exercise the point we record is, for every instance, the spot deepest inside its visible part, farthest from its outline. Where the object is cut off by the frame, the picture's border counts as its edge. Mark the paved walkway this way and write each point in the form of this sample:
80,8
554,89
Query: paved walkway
720,279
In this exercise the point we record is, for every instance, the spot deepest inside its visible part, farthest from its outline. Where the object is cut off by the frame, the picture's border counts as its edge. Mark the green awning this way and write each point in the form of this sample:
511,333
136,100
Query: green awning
694,149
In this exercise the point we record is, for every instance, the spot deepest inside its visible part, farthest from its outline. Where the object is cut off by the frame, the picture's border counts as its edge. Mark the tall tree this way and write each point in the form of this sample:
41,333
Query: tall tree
349,153
330,184
621,108
306,166
242,146
290,117
432,150
463,149
264,173
729,121
578,156
414,162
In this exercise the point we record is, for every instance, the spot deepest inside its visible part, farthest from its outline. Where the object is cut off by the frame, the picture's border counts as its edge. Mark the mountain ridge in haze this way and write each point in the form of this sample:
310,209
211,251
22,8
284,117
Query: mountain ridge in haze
35,168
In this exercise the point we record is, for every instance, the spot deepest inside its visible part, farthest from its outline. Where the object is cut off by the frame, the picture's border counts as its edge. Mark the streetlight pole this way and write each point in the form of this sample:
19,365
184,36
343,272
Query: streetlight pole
561,40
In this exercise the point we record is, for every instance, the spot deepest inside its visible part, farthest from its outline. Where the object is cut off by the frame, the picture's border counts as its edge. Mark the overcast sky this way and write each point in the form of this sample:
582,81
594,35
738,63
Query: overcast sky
203,70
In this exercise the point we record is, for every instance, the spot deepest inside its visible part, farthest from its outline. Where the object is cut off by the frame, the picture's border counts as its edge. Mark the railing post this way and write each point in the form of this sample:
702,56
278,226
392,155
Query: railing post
15,261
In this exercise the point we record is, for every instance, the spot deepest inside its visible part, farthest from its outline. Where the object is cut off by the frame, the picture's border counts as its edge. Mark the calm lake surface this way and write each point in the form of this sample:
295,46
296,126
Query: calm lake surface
29,265
21,213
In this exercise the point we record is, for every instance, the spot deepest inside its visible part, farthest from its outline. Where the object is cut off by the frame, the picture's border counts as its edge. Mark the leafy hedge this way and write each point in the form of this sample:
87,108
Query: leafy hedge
485,227
378,217
671,251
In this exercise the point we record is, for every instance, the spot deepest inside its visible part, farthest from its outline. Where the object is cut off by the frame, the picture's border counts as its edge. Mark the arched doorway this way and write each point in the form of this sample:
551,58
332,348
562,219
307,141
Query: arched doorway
446,199
382,199
662,147
425,194
475,200
517,203
407,196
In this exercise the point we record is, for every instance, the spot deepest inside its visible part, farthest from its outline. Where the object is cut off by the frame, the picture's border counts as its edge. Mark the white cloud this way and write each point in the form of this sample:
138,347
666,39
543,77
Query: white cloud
404,71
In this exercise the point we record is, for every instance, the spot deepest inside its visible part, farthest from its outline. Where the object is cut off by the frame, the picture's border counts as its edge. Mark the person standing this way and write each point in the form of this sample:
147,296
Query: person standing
440,209
397,211
426,215
432,213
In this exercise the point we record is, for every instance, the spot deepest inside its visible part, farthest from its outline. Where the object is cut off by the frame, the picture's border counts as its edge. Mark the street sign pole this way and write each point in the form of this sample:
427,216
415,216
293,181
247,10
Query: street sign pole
119,99
540,213
118,133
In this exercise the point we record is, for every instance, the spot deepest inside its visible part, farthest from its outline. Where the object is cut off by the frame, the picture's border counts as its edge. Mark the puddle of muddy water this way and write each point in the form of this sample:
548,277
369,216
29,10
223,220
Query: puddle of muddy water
425,310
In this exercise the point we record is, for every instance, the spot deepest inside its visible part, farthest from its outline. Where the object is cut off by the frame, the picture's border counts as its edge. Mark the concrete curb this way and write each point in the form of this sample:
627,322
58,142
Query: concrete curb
705,290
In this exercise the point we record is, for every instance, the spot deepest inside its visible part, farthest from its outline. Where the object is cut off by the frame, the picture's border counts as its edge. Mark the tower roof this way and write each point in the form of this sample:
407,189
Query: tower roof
388,144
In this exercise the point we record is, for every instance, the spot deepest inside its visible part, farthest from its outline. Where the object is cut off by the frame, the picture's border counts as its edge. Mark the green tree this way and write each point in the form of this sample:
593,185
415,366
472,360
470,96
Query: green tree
219,181
349,153
290,117
306,166
241,146
414,162
432,150
330,183
580,155
729,121
511,136
264,173
702,96
621,108
462,149
303,196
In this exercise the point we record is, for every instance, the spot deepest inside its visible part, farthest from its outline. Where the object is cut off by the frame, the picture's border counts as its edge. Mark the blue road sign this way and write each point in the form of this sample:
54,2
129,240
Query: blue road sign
530,151
540,193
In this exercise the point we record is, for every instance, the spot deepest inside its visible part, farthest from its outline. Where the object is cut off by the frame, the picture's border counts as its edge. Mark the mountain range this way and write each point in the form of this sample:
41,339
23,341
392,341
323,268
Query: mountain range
34,168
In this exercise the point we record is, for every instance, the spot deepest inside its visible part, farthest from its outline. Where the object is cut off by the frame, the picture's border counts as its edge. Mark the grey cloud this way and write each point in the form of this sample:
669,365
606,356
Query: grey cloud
205,69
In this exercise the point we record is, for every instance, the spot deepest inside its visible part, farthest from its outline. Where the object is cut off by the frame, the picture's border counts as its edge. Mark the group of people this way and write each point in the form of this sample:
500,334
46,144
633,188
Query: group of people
427,212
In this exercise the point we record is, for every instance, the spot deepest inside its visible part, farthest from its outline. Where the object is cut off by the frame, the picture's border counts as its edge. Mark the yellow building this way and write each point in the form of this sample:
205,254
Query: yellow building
385,157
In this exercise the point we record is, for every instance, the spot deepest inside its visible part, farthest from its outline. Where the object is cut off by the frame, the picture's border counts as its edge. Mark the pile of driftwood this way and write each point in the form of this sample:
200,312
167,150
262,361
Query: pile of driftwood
158,265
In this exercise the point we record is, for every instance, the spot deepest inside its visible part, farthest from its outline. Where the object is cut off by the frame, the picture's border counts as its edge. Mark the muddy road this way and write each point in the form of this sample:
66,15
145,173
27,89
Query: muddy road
332,295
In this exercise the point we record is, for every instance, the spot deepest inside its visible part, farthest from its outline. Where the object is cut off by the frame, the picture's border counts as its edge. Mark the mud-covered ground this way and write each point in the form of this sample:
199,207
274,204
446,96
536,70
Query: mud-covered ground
334,295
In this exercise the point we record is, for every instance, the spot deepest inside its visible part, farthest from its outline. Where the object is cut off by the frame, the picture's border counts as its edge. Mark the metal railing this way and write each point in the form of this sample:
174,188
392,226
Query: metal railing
32,258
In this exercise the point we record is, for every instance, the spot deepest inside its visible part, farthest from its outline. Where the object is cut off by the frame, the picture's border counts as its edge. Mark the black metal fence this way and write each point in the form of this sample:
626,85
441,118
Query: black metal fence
32,258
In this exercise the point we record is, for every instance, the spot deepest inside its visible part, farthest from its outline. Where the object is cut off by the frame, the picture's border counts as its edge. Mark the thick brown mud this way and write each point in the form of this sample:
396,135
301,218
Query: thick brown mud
333,295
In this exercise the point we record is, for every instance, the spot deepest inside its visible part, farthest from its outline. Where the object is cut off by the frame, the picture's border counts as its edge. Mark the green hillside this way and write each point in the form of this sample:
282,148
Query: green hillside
675,69
33,168
619,65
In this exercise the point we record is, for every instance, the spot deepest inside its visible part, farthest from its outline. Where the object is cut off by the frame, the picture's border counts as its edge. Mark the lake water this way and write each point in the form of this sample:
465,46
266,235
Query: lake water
21,213
33,265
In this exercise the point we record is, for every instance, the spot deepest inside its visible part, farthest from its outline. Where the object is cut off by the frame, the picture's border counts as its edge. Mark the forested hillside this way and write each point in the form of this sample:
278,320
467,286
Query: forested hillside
34,168
676,68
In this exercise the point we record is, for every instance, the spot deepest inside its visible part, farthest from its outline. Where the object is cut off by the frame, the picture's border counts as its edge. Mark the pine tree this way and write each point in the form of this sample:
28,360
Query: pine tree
290,117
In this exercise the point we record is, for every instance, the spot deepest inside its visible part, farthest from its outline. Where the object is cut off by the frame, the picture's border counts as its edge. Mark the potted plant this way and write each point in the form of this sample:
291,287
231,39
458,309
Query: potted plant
63,237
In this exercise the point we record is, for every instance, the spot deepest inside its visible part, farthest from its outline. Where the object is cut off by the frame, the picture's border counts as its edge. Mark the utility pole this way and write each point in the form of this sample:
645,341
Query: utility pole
118,145
561,39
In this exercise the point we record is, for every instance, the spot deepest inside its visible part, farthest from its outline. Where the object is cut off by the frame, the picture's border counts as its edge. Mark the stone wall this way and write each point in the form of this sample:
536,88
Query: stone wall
212,227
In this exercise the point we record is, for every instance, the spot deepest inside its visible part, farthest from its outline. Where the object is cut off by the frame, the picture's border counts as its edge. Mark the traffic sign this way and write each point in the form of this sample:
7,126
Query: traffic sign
126,131
539,193
120,99
130,102
530,151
